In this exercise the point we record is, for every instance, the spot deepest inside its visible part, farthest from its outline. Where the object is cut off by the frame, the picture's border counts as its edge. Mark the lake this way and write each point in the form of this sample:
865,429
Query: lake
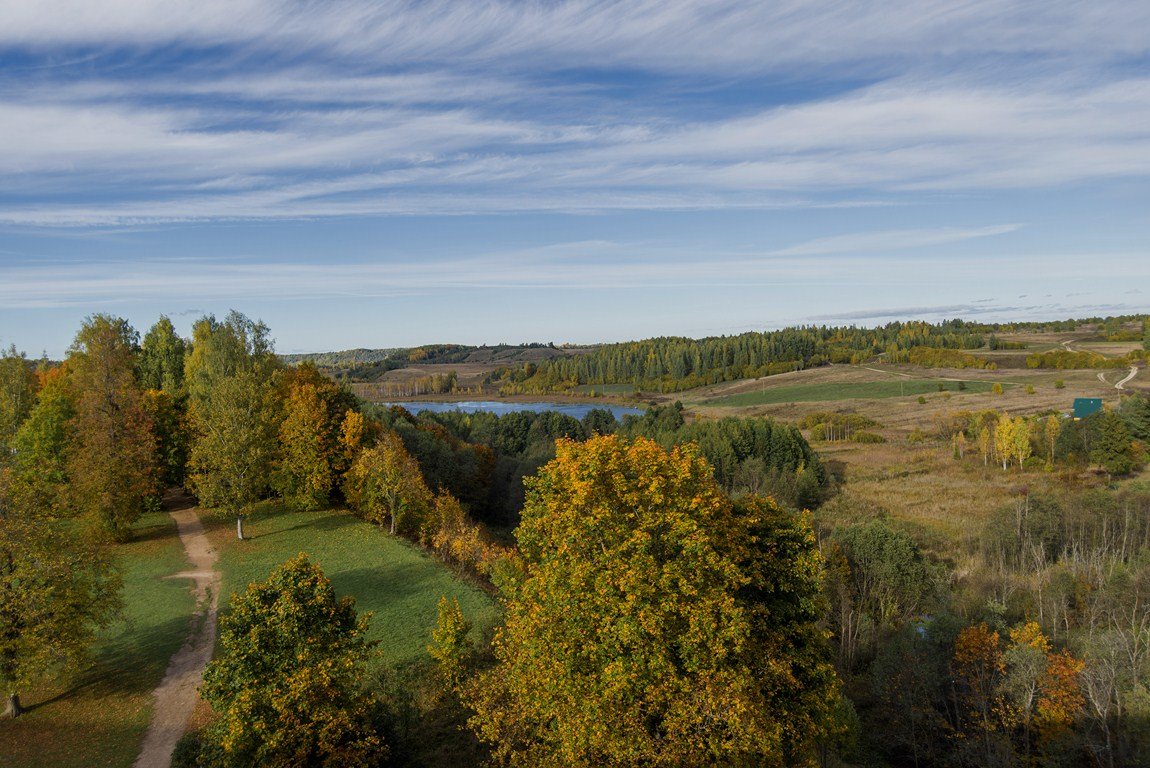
500,408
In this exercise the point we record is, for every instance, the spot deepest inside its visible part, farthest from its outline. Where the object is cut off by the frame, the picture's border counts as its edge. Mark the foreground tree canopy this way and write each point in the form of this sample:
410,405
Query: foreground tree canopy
653,621
287,683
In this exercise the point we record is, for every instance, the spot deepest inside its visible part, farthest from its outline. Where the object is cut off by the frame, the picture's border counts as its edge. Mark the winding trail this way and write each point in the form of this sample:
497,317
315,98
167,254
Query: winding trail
176,695
1129,376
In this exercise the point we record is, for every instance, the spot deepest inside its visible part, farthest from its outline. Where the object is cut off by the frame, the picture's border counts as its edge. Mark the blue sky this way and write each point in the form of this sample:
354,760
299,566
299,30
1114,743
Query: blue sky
394,173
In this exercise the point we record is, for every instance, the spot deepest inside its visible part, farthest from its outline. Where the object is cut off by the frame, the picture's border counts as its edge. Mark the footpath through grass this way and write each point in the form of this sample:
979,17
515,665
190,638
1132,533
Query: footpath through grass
864,390
99,717
397,582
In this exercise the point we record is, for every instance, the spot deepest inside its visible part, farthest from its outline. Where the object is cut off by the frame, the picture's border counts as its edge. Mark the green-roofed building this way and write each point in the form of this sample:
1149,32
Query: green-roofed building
1086,406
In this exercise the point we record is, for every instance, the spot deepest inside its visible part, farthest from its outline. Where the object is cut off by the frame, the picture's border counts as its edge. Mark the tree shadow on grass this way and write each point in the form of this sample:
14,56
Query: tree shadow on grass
396,582
330,522
131,663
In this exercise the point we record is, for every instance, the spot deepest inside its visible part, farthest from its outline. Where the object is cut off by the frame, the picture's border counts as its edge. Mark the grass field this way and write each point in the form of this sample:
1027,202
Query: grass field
398,583
99,717
830,392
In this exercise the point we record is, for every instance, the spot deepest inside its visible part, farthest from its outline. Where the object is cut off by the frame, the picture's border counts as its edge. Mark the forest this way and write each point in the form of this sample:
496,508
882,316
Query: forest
670,589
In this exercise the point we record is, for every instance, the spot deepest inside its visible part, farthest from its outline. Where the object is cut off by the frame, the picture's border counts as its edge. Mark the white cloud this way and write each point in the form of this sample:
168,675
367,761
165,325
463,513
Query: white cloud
891,240
452,107
676,35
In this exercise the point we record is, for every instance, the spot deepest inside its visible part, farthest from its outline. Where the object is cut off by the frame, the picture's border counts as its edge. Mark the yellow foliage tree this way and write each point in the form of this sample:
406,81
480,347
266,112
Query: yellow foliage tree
385,484
653,622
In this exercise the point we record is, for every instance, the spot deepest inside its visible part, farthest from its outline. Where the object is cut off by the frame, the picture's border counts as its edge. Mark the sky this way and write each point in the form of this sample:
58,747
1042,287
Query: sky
381,174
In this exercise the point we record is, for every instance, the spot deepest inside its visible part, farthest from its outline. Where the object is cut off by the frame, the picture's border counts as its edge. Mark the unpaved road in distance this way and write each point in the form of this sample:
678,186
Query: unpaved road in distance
176,696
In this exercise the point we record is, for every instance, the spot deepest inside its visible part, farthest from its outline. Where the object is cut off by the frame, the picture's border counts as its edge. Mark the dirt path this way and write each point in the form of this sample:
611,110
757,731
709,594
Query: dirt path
1129,376
176,696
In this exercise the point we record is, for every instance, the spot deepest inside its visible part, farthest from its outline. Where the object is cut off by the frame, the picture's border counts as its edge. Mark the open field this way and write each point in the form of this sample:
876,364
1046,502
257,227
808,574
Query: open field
395,581
913,477
832,392
877,393
99,718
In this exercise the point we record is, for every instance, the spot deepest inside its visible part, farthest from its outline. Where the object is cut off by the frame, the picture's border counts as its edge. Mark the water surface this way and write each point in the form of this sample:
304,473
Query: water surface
500,408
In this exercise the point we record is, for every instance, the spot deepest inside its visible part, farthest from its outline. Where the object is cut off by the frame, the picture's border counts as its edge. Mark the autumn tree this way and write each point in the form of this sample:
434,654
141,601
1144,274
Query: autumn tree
288,683
314,437
1050,429
1004,443
1021,439
451,647
977,669
57,588
385,484
654,622
162,358
112,451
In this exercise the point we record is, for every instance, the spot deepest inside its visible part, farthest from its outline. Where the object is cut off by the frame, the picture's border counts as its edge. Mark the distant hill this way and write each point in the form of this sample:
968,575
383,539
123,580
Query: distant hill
368,365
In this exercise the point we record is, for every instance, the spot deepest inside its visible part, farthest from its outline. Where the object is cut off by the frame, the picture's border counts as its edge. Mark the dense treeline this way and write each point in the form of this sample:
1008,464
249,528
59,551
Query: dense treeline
481,458
1061,359
369,365
672,364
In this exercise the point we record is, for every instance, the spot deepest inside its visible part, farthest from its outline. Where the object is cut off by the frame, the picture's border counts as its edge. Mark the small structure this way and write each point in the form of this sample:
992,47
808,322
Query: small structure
1086,406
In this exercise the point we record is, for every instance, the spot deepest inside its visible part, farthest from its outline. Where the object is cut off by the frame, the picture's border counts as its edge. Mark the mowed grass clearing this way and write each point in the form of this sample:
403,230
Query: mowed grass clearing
855,390
396,581
98,718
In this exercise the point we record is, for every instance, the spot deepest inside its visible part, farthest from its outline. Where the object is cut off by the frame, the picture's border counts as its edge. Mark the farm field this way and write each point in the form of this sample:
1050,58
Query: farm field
832,392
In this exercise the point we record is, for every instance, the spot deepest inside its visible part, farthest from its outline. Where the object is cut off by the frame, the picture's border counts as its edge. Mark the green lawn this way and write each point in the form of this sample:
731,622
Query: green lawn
99,717
868,390
398,583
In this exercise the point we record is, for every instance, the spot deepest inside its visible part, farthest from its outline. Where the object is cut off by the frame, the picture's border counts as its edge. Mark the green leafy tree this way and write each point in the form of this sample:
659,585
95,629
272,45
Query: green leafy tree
17,395
288,682
112,467
654,622
225,349
39,463
1111,449
231,461
57,588
162,358
170,428
233,412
